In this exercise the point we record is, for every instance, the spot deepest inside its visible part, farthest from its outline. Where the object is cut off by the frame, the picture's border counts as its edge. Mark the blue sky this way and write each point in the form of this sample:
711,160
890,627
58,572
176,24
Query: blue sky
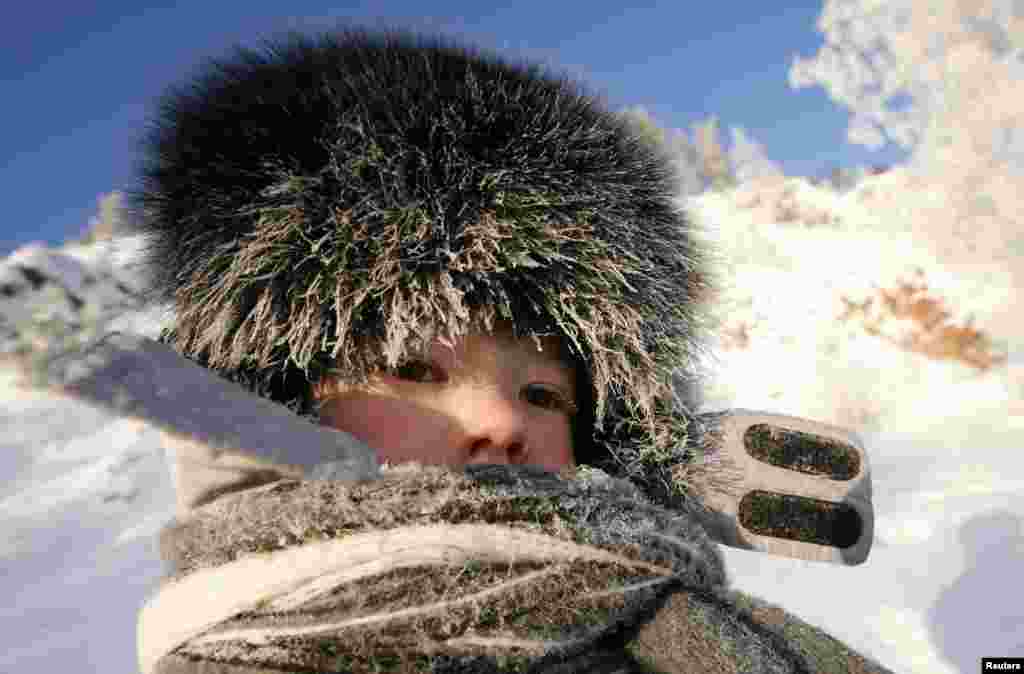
77,78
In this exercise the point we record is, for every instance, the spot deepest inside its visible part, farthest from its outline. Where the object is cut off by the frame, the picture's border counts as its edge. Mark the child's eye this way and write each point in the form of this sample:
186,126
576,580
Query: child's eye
419,371
548,399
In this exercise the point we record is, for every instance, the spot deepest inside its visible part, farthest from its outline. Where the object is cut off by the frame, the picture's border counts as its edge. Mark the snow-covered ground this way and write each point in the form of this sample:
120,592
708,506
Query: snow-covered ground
84,493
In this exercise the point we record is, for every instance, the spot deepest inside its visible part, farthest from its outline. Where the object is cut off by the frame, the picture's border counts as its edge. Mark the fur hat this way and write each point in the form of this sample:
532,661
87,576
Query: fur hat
333,201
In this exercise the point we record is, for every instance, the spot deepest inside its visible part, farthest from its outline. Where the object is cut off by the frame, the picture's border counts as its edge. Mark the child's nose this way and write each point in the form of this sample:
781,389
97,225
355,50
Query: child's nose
495,429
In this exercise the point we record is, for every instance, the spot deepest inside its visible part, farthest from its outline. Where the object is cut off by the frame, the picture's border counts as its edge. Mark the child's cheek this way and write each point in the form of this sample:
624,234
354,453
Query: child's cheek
399,430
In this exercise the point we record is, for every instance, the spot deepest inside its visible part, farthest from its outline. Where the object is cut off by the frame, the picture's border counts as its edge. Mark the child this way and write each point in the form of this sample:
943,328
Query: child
462,262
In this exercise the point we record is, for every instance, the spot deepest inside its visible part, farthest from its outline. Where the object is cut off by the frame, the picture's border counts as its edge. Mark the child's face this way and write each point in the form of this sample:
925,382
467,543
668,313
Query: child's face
493,399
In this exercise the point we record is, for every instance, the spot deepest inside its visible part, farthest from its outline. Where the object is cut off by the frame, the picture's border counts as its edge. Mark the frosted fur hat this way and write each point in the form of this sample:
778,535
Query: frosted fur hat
330,203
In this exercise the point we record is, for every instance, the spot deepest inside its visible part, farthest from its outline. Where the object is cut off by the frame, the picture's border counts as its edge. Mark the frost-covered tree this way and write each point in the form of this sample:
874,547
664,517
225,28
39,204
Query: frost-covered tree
701,160
749,159
903,67
110,222
690,158
943,80
644,124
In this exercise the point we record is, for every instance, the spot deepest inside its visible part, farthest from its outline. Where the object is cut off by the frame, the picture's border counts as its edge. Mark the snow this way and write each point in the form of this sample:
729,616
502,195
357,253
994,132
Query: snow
85,493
